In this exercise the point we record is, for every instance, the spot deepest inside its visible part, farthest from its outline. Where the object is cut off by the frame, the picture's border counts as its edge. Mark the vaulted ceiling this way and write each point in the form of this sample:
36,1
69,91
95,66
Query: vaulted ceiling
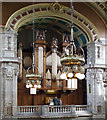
55,28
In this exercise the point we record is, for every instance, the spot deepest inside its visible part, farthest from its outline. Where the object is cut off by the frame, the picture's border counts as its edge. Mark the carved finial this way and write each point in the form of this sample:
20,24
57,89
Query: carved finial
20,45
54,45
40,34
66,38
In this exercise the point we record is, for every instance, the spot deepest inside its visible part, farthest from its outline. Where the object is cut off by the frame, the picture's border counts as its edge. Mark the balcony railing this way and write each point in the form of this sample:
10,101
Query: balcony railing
48,110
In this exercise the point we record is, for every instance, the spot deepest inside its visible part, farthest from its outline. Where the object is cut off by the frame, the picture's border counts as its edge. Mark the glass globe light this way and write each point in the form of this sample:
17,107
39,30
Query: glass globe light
27,86
39,86
63,76
80,76
65,68
35,86
82,69
75,68
70,75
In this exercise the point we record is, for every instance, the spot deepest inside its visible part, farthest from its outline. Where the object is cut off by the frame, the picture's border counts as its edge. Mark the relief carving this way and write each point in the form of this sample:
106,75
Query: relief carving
105,75
9,73
99,76
56,7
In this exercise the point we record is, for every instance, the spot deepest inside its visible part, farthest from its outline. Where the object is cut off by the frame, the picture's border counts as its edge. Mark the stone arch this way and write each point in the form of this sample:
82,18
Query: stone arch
26,14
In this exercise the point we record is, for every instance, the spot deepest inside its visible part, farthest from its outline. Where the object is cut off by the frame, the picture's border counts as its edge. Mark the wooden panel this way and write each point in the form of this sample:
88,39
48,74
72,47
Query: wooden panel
68,98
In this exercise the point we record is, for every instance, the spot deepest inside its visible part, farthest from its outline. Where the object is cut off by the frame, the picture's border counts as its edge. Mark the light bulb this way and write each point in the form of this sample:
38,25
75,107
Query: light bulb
82,69
27,86
80,76
39,86
63,76
35,86
75,68
70,75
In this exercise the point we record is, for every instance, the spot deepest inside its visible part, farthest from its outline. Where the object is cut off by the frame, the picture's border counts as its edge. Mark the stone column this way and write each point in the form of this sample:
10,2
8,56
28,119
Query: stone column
1,92
20,57
14,92
105,80
95,90
9,67
94,76
106,100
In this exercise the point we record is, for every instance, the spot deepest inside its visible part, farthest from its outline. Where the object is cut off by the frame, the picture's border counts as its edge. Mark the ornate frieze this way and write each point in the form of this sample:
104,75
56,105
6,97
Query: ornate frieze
10,71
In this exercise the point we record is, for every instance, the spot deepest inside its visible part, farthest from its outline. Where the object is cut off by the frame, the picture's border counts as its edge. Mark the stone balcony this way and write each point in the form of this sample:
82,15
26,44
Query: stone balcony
51,111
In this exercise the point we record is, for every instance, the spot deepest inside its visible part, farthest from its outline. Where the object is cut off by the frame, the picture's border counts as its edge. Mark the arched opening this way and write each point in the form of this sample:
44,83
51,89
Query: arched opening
55,24
57,29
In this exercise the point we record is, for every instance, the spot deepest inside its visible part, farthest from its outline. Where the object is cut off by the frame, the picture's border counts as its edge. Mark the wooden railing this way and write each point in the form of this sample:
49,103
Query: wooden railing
48,110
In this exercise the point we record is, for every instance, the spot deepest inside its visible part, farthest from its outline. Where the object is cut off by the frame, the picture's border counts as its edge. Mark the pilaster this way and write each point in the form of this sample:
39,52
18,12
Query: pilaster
9,68
95,77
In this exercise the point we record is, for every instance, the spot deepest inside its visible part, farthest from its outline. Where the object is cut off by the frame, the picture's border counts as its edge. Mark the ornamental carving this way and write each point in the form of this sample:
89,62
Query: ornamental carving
56,7
105,74
40,34
9,73
66,38
54,45
99,75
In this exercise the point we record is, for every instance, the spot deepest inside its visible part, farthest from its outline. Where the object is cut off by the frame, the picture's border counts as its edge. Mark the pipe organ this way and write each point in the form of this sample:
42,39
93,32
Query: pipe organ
49,67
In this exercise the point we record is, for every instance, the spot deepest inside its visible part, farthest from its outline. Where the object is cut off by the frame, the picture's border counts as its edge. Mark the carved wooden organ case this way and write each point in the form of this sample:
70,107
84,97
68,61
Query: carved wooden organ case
48,63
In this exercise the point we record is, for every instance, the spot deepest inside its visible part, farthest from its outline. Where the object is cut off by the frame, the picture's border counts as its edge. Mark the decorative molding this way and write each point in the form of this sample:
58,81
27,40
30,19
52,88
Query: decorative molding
9,73
40,35
100,8
16,71
26,14
56,7
54,45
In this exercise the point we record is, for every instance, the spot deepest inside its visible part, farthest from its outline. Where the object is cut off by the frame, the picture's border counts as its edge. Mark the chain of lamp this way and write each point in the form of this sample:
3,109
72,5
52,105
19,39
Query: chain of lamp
33,80
72,62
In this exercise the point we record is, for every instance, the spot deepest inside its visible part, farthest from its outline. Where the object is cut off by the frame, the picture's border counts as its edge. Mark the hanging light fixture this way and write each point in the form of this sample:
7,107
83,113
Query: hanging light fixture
33,79
72,61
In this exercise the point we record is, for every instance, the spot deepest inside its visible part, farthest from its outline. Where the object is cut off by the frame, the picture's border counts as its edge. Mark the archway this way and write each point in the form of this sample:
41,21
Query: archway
40,11
59,20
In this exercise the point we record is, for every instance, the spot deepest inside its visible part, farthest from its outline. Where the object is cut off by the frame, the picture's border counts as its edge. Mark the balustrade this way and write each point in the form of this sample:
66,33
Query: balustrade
79,110
29,109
